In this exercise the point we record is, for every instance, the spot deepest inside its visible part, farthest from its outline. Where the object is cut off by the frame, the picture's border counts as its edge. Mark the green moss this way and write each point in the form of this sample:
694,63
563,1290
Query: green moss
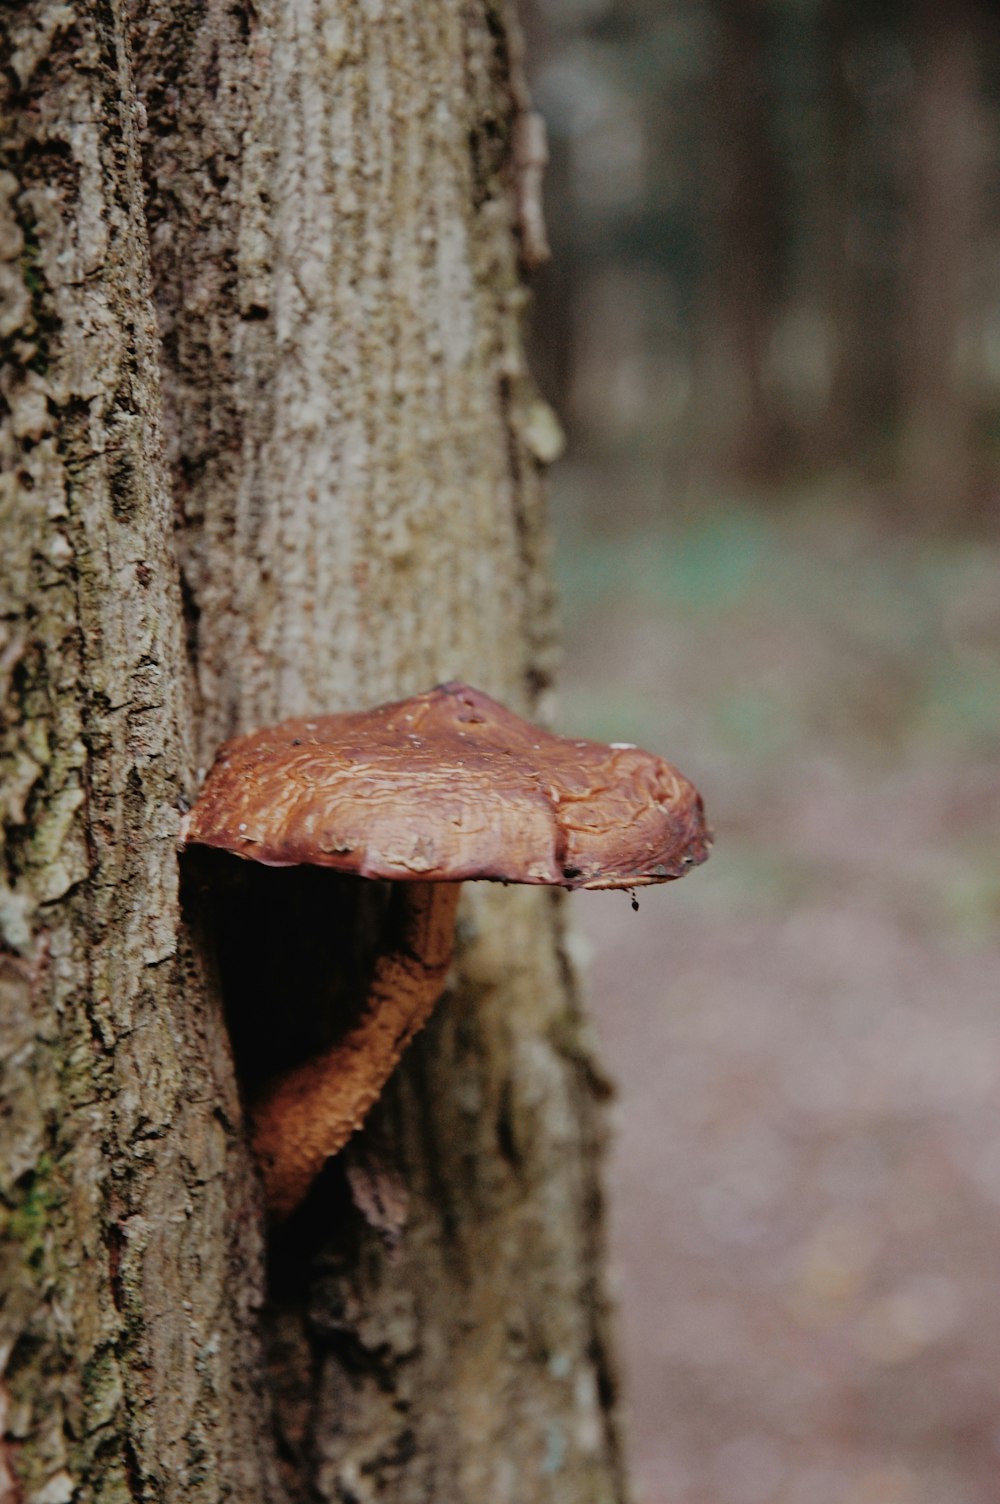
101,1381
29,1222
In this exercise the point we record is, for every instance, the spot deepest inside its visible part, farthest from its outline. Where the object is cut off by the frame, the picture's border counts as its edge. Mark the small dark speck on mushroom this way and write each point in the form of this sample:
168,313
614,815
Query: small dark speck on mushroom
296,741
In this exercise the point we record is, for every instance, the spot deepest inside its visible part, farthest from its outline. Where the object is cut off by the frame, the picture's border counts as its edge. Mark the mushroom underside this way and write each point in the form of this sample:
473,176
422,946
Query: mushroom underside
310,1111
427,792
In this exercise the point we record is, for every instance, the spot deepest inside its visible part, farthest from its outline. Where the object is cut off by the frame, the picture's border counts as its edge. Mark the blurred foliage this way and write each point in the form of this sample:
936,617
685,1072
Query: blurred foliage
793,658
775,234
900,636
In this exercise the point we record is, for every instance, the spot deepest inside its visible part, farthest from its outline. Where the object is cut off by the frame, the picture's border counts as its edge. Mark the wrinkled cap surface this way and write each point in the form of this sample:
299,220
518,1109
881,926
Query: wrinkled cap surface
446,786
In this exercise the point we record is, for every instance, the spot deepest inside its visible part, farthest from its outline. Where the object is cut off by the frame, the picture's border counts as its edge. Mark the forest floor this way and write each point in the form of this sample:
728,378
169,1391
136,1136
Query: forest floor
805,1179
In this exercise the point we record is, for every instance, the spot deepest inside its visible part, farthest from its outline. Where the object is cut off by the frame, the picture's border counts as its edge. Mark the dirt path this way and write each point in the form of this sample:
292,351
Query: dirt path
806,1182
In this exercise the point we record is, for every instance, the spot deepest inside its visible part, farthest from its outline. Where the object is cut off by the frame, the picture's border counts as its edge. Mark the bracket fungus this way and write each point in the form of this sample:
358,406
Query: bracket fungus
426,792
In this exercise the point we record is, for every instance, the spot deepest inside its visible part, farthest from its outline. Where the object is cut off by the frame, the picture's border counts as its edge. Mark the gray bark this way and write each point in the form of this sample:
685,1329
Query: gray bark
293,366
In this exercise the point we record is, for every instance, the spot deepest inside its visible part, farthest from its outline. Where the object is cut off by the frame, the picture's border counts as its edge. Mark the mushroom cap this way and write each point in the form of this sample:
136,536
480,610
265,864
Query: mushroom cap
446,786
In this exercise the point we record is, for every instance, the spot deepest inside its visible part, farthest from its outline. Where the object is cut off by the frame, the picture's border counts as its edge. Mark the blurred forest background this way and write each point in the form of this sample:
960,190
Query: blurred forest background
771,330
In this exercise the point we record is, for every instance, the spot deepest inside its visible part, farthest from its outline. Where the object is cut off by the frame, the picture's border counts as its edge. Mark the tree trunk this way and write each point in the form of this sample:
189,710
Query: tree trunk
328,422
741,430
944,193
867,90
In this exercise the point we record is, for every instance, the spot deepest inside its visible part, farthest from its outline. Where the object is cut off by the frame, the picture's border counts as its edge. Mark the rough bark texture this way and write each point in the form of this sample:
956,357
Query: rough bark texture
128,1269
354,448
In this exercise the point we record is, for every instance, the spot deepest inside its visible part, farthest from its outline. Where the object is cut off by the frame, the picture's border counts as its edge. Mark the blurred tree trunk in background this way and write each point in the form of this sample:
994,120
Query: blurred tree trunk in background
944,181
297,364
866,83
803,267
740,428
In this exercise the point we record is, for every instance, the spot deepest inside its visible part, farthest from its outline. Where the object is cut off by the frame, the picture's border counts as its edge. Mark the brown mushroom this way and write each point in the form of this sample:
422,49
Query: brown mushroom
427,792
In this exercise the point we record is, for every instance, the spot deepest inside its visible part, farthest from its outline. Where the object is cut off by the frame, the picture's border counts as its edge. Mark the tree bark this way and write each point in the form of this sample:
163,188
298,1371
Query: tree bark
293,364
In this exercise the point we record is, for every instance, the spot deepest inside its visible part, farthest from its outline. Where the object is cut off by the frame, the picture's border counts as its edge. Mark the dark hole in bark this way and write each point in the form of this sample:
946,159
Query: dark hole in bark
293,950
